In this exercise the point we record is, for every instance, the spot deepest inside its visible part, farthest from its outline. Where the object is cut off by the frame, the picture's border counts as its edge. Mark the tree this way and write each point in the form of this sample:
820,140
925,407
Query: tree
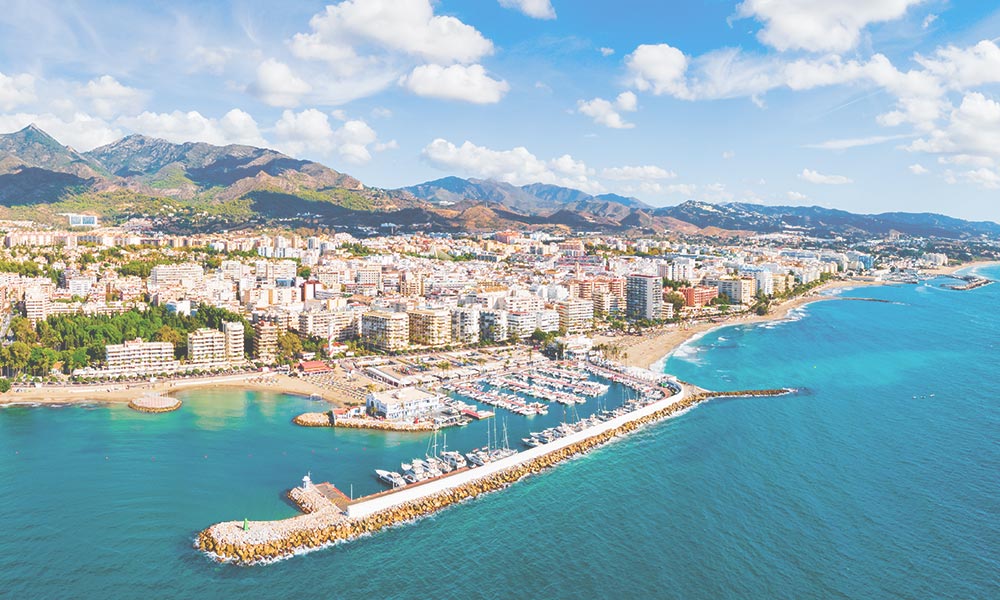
289,345
304,272
4,385
23,330
677,300
20,352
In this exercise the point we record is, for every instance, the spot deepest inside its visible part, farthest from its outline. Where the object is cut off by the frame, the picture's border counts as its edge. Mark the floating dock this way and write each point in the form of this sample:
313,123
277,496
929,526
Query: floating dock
329,520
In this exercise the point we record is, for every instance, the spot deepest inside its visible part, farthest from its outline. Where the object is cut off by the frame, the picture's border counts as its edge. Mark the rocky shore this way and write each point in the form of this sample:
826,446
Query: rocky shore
325,524
355,423
312,419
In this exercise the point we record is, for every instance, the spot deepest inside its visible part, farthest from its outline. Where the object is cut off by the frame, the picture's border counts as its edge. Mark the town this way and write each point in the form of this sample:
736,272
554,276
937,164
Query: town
352,315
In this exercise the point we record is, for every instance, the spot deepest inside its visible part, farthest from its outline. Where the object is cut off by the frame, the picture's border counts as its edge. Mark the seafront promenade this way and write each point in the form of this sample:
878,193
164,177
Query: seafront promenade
325,523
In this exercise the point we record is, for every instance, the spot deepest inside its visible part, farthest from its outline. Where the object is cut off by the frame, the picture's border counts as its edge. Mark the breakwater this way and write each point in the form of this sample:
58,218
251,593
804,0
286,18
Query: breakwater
155,404
355,423
325,524
312,419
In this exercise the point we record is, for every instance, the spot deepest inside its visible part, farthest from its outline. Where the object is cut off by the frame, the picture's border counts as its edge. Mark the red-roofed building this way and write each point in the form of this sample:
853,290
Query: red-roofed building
314,367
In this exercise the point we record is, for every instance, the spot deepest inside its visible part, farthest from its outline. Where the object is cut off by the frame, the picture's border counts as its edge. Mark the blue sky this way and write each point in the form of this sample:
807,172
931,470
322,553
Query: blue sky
865,105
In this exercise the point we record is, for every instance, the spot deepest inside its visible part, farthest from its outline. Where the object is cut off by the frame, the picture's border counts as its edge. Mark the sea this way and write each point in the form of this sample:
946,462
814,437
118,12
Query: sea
878,478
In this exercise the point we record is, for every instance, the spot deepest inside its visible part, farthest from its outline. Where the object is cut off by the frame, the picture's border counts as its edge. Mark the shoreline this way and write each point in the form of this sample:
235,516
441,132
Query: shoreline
650,349
123,393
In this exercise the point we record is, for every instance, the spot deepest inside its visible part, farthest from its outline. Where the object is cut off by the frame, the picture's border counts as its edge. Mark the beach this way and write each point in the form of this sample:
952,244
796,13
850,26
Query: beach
653,346
126,392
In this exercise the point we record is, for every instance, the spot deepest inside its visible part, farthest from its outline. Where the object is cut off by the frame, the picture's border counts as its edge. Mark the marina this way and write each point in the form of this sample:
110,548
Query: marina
325,523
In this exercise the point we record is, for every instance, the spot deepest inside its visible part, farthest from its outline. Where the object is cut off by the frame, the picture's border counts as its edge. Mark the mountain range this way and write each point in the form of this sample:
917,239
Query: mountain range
203,187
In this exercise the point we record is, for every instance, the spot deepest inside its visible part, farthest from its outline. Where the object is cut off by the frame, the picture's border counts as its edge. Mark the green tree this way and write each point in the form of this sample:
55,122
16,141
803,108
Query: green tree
20,352
289,346
4,385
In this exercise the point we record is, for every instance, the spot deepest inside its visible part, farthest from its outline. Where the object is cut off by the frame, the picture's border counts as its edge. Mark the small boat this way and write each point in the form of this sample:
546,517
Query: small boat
390,478
453,459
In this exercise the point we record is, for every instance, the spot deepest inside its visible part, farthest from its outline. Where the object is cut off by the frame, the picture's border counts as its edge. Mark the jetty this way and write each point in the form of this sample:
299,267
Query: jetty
155,403
330,518
971,282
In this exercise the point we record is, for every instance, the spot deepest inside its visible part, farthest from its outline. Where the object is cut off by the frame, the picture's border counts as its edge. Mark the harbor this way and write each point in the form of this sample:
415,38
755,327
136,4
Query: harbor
331,518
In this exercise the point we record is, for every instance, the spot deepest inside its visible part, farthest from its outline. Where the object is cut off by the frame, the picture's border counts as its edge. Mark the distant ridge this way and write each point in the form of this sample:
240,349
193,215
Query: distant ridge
202,187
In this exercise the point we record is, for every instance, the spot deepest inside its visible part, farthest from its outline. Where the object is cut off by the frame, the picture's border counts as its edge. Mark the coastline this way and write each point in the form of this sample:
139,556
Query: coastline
123,393
650,349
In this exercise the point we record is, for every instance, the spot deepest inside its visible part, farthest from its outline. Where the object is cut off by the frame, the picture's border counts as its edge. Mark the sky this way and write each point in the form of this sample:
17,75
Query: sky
863,105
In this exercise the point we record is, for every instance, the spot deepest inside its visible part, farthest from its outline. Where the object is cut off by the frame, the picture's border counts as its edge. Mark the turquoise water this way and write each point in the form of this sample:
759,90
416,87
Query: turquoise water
863,485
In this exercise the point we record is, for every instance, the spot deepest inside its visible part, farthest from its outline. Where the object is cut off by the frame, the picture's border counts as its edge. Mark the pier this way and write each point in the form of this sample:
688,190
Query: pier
154,403
328,519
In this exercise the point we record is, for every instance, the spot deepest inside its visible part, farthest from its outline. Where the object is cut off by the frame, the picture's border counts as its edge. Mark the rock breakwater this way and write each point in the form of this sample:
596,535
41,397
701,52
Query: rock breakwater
325,524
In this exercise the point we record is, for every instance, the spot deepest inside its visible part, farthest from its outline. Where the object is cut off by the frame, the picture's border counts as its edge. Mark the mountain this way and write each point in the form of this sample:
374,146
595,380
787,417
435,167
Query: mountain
202,187
823,222
536,199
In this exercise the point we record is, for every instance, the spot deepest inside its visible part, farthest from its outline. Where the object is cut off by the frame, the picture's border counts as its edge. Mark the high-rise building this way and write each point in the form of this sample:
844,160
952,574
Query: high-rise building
465,325
137,357
36,305
644,297
265,341
738,290
234,334
386,331
430,326
206,346
493,325
575,315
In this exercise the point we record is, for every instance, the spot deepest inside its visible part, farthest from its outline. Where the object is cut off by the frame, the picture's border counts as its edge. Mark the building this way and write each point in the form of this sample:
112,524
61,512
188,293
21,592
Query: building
607,304
699,295
137,357
764,281
265,342
36,305
206,346
643,297
493,325
575,315
386,331
340,325
188,275
235,344
465,325
430,326
403,403
739,291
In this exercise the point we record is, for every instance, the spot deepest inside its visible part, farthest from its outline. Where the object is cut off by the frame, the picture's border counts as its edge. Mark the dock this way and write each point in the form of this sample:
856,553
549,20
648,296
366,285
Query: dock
328,520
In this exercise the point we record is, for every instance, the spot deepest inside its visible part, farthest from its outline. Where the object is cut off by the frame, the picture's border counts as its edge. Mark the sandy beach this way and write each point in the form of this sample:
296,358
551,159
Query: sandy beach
651,347
125,392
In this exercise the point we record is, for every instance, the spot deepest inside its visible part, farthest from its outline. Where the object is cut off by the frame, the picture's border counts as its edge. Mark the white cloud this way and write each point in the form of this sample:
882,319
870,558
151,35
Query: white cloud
797,196
928,20
848,143
819,25
973,128
235,127
962,68
637,173
458,82
658,68
310,131
80,131
966,160
605,51
404,26
816,177
606,113
918,169
277,85
110,98
537,9
16,90
985,178
381,112
211,58
728,154
517,166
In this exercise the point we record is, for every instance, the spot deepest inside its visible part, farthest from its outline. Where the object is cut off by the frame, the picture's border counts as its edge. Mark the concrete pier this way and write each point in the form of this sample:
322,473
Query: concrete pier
327,523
